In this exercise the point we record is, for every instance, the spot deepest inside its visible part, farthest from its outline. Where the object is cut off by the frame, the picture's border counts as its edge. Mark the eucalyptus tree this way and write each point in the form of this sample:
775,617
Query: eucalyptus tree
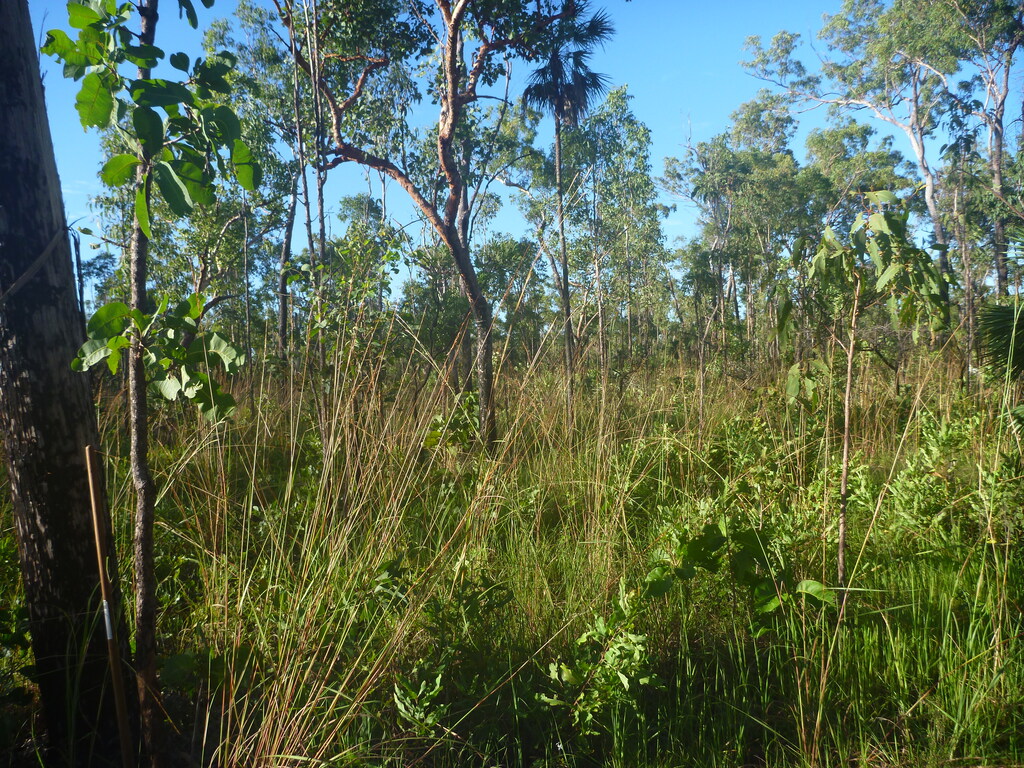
890,60
843,153
752,204
457,51
512,270
620,225
988,36
709,178
564,86
48,419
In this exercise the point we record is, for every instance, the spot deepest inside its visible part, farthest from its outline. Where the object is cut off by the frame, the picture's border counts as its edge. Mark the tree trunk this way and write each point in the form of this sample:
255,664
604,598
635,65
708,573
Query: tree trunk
938,231
844,480
999,240
47,419
564,256
142,478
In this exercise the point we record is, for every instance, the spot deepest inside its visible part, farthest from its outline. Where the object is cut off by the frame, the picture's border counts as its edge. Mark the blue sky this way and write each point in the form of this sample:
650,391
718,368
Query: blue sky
679,58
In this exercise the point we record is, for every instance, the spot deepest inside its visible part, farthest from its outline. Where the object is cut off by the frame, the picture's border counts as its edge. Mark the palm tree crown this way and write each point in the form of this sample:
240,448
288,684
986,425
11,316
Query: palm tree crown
564,85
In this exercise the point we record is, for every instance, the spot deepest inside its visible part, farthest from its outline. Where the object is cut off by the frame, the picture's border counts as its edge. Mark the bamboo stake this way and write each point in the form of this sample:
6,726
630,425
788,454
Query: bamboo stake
124,731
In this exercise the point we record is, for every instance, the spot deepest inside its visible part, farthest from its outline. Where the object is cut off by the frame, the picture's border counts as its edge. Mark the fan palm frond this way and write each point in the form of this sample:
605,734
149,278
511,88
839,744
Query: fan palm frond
1002,338
563,85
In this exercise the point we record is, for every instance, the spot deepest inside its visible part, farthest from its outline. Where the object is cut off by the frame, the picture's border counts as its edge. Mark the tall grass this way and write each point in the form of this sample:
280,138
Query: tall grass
338,589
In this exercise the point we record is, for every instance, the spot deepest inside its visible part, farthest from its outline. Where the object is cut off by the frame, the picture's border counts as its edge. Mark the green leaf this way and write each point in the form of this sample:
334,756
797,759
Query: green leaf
92,352
228,126
214,403
879,223
658,581
213,345
886,277
173,189
180,61
168,388
108,321
142,209
784,327
189,11
793,381
816,590
883,197
159,93
144,56
247,171
95,103
81,16
198,183
149,129
119,169
59,44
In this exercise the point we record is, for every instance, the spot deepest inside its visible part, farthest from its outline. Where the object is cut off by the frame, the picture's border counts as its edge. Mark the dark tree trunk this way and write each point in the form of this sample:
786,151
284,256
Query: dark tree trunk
999,239
47,419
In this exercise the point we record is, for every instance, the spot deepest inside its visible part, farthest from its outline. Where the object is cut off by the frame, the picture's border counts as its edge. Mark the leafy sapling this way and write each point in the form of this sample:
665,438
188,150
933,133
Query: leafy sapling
176,351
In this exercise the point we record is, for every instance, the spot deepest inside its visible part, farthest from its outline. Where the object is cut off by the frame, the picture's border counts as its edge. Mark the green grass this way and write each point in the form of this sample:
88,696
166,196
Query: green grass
335,593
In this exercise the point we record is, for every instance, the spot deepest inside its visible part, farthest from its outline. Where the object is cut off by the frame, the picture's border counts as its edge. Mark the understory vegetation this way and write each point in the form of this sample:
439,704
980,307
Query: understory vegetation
344,579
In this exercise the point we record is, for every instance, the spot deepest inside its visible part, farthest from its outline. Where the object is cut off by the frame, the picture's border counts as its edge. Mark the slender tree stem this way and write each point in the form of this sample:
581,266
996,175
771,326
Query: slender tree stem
844,482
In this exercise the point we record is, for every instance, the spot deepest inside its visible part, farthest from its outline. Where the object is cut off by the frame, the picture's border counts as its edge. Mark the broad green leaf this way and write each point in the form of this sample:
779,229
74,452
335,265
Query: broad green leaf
879,223
142,209
159,93
149,129
247,171
108,321
180,61
144,56
793,381
81,16
168,388
173,189
214,403
883,197
92,352
816,590
114,360
198,183
659,581
119,169
94,102
59,44
228,126
784,327
216,346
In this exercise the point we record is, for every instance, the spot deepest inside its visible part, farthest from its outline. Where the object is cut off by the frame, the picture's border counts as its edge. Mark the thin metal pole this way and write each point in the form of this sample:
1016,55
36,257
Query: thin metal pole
123,729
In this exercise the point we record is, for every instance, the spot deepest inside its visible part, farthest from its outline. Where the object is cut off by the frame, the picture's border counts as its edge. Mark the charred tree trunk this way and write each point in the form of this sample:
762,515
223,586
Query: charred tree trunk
47,419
